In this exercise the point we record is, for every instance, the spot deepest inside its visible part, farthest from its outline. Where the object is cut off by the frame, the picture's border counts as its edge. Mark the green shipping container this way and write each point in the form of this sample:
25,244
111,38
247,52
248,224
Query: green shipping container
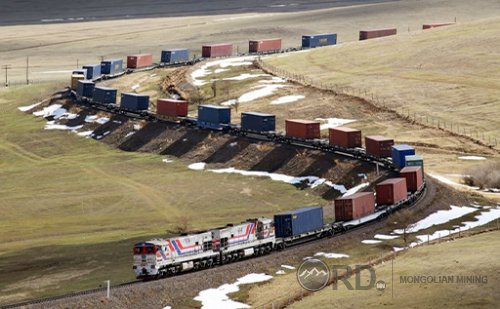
415,160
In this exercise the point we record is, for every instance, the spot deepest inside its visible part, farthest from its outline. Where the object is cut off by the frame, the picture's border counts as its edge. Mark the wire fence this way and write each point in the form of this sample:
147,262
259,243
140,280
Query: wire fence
381,103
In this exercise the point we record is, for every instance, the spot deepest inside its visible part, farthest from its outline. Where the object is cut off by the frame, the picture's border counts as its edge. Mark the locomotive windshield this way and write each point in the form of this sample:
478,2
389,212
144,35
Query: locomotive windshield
145,249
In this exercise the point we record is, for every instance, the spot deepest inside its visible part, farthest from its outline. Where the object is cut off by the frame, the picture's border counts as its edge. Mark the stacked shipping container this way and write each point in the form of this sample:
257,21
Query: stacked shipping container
85,88
399,152
93,71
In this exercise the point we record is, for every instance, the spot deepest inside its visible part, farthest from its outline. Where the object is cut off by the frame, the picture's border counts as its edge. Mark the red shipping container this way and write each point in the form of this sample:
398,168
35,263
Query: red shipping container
429,26
264,45
391,191
139,61
413,175
171,107
379,146
371,34
217,50
345,137
306,129
354,206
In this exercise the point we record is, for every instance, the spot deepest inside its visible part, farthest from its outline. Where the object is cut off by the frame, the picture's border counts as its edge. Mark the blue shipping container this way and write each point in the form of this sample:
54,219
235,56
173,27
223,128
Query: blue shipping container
93,71
104,95
214,114
258,122
178,55
85,88
318,40
296,222
399,152
134,102
112,66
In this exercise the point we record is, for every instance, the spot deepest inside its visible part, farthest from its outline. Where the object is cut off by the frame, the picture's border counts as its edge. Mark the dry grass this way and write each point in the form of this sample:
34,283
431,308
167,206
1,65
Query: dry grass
448,74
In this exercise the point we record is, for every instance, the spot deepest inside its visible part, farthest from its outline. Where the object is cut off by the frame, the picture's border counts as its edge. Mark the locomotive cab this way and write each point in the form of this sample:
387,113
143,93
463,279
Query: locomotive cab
147,258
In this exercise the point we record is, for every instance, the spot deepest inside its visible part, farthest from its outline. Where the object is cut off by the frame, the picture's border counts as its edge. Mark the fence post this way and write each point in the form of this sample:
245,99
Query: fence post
108,289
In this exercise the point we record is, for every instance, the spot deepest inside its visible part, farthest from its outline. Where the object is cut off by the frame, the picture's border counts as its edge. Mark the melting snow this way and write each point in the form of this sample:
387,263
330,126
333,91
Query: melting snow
217,298
85,133
397,249
96,119
245,76
263,91
450,182
333,122
287,267
385,237
197,166
167,307
233,144
332,255
51,125
53,110
167,160
229,102
220,70
287,99
274,79
371,241
439,217
472,158
137,127
483,218
356,189
135,86
27,108
224,63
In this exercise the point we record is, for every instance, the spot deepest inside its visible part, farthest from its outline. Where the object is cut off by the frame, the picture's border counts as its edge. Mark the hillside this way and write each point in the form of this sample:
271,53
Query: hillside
444,77
446,259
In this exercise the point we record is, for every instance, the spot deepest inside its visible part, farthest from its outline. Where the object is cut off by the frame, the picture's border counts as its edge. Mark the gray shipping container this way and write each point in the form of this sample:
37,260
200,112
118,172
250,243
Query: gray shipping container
299,221
112,66
178,55
134,102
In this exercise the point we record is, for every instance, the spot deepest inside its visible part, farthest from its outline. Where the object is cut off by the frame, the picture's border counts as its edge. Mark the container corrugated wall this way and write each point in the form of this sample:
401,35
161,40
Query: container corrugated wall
258,122
214,114
217,50
139,61
296,222
391,191
93,70
379,146
104,95
415,160
305,129
345,137
85,88
134,102
318,40
354,206
414,177
112,66
399,152
371,34
178,55
171,107
266,45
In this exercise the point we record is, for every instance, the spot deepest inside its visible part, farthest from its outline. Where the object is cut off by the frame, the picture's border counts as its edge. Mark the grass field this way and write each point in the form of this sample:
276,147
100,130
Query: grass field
446,259
71,207
446,74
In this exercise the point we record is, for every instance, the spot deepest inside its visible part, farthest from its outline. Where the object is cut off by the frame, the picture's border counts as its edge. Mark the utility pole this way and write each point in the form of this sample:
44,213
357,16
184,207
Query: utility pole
77,64
27,70
6,67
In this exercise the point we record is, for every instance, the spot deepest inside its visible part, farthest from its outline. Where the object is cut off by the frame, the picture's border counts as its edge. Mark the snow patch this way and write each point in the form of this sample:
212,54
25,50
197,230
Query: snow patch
217,298
473,158
245,76
205,70
27,108
54,110
287,99
437,218
85,133
51,125
287,267
333,122
356,189
371,241
397,249
197,166
96,119
332,255
233,144
385,237
274,79
229,102
167,160
263,91
220,70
